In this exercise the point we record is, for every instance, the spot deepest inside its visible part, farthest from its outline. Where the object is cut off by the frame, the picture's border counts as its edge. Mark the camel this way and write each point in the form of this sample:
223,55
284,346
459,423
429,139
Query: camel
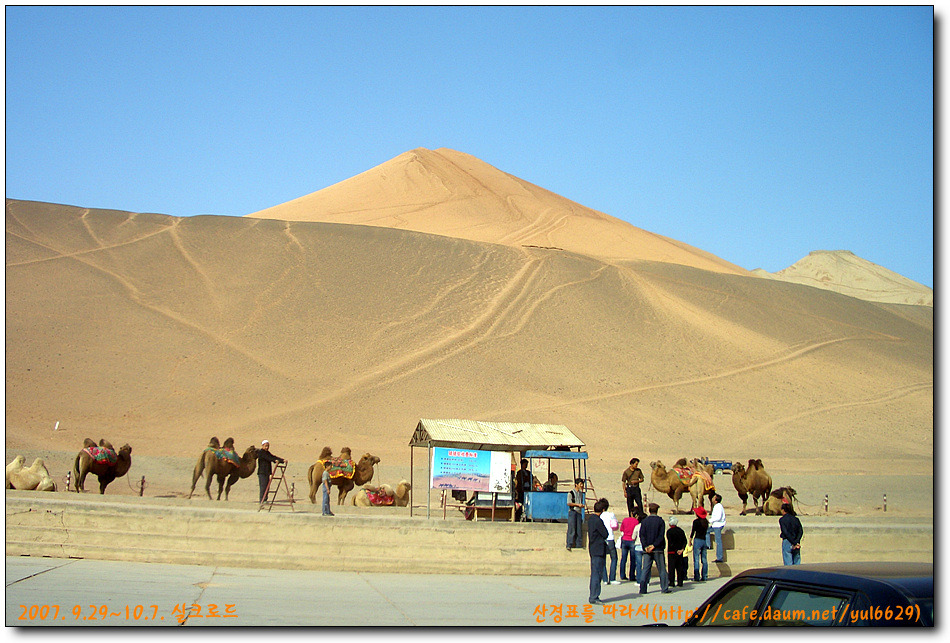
33,478
362,474
212,464
669,482
16,465
87,462
397,498
752,480
773,506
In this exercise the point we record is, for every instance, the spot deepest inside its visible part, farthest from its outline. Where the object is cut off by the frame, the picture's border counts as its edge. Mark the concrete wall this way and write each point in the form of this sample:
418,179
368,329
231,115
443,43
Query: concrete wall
385,539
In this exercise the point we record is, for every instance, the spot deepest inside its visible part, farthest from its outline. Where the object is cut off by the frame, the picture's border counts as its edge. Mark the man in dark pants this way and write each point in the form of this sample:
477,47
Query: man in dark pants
792,532
522,486
652,539
264,460
597,548
575,514
630,481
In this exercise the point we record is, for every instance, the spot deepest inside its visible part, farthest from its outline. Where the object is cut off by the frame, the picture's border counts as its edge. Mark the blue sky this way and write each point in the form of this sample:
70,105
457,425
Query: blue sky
757,134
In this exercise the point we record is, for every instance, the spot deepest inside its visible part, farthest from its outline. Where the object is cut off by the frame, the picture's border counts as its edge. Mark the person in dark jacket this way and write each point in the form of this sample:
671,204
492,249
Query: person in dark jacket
792,533
676,541
264,460
652,529
597,548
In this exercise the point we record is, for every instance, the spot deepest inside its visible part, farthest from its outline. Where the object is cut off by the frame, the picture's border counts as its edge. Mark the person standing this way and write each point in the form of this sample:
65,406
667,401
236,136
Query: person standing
264,460
698,535
610,522
792,533
575,514
717,520
676,542
325,485
637,549
630,483
627,542
522,486
597,548
652,530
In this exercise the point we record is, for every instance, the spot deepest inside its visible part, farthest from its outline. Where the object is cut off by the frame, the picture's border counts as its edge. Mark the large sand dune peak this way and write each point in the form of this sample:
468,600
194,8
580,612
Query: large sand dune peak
454,194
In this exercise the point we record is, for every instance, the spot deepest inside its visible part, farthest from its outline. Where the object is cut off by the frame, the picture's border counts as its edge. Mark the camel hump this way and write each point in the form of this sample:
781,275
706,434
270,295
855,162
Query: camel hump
88,443
681,462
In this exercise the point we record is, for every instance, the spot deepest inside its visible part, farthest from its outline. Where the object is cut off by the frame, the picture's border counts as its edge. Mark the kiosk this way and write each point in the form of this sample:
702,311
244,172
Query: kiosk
476,437
552,505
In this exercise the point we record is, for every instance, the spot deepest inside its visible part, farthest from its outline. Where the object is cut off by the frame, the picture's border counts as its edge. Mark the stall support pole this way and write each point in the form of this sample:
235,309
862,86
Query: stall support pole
428,478
412,480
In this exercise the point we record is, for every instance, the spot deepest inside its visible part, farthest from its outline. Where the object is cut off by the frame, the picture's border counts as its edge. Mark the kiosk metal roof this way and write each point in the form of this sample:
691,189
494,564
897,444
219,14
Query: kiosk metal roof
492,436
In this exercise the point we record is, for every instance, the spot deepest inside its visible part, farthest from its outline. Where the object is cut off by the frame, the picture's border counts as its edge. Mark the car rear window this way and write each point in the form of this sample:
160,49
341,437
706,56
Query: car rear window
735,607
798,607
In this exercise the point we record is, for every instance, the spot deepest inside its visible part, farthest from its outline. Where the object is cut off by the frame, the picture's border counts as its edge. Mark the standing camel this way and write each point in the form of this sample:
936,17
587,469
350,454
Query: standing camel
362,474
223,464
752,480
669,482
103,461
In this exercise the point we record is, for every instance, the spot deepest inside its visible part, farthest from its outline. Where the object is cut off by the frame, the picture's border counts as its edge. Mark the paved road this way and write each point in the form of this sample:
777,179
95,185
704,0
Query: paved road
268,597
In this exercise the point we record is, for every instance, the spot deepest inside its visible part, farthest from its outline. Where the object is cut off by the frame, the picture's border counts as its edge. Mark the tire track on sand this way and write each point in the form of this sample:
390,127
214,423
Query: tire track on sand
498,311
748,368
887,396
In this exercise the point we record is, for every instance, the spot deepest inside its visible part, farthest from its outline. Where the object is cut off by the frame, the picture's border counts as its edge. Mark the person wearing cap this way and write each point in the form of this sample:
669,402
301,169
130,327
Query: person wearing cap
676,560
698,536
652,538
264,460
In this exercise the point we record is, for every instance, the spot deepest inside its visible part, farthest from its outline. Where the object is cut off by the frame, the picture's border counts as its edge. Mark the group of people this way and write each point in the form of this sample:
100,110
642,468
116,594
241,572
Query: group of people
264,470
645,540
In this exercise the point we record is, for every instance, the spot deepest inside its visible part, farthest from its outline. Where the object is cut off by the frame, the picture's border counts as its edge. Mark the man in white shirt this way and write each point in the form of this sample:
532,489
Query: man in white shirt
717,520
610,522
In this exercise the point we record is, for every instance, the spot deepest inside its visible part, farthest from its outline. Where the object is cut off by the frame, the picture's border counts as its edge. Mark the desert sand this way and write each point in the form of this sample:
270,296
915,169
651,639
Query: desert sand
437,286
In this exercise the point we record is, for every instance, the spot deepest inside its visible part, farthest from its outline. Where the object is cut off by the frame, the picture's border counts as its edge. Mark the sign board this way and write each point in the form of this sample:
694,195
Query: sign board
471,470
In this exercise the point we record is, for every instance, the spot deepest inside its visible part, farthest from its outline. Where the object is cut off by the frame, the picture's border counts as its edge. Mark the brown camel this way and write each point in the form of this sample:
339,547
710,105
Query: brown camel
773,506
669,482
106,471
213,464
752,480
399,495
33,478
362,474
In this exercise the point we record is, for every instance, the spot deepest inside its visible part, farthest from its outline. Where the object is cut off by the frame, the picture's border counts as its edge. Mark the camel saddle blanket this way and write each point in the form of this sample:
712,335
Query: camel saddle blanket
226,454
379,499
102,455
340,468
687,476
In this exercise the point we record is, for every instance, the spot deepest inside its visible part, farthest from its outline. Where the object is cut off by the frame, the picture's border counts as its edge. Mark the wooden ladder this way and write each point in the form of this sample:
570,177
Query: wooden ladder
277,477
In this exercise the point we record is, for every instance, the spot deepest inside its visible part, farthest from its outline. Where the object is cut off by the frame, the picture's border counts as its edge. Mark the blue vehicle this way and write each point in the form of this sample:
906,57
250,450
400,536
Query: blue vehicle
718,465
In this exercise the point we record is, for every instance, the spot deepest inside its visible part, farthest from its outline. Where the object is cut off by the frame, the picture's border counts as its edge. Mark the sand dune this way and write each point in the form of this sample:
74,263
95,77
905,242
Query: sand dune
454,194
162,331
844,272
